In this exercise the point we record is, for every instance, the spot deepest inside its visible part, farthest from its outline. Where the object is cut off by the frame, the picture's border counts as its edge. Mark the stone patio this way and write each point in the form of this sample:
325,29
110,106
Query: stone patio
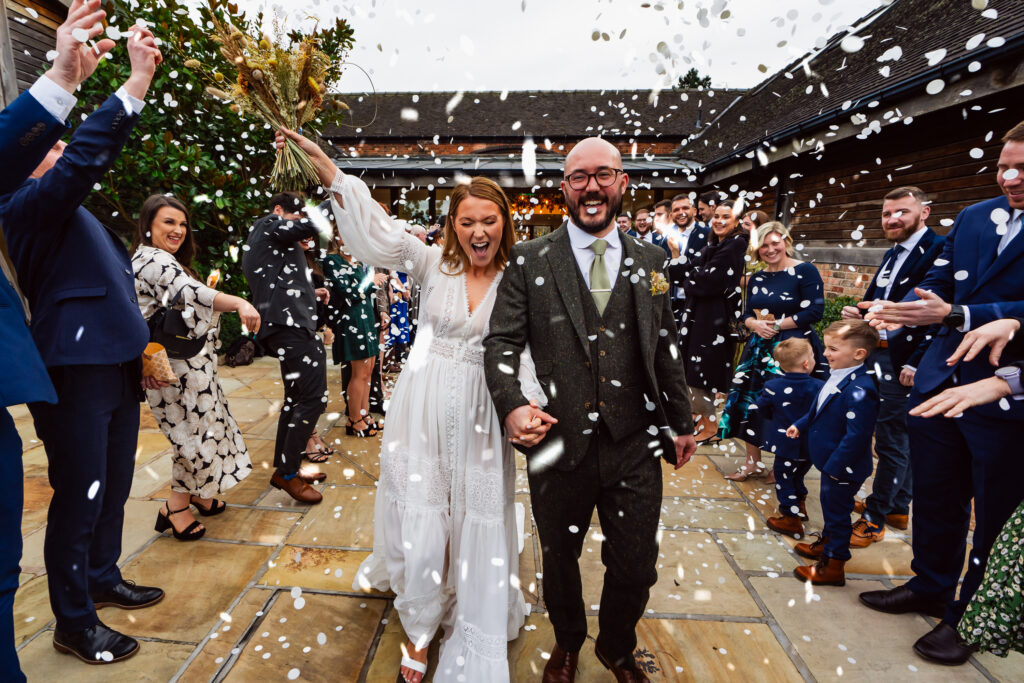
266,595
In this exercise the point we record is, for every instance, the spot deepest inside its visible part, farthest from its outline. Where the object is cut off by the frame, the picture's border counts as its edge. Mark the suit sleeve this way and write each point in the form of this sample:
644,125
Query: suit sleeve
861,412
939,278
811,290
717,272
42,208
507,338
670,374
766,404
27,132
804,422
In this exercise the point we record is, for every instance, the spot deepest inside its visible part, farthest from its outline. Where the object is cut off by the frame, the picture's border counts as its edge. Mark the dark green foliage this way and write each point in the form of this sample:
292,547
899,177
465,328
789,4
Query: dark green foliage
693,80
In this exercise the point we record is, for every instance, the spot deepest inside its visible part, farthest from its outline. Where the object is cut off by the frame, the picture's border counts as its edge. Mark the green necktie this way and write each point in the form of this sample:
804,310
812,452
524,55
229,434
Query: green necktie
600,287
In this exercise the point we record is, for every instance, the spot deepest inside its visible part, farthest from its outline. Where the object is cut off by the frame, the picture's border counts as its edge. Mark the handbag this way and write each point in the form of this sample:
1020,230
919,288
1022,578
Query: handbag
168,328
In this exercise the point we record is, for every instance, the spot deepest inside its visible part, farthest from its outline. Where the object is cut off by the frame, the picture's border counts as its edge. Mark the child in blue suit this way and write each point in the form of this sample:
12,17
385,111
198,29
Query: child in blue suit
783,401
837,432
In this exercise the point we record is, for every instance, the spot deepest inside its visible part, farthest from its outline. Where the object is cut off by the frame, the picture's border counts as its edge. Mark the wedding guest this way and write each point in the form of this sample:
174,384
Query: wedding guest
356,339
444,524
662,219
86,324
752,220
588,300
317,451
706,206
837,433
957,462
782,301
685,241
29,126
624,223
210,455
905,211
708,338
785,400
275,267
645,231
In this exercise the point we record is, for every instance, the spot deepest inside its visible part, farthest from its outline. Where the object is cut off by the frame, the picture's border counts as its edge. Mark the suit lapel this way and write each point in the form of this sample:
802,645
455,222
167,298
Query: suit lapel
563,266
872,291
988,243
835,392
643,300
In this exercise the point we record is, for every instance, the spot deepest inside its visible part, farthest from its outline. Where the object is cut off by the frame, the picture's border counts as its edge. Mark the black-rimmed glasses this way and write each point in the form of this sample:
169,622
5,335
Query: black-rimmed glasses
605,177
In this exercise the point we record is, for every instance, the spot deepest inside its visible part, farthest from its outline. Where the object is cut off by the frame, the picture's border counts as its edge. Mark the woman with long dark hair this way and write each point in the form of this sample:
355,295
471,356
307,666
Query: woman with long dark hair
209,454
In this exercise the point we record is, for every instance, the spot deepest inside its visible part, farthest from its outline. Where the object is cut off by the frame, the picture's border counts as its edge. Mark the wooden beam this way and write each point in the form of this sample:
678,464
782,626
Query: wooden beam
8,72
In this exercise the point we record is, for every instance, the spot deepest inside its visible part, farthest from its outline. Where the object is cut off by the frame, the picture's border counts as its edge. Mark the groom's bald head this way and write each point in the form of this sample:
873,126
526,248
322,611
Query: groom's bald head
591,148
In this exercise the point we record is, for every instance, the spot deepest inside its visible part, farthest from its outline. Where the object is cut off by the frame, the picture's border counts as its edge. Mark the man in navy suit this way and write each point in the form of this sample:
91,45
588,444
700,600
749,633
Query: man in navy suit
645,230
976,280
685,240
837,435
28,129
86,323
905,211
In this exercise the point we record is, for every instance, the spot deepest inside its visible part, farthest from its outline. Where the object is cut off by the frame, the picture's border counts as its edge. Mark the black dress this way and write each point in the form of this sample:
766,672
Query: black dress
708,337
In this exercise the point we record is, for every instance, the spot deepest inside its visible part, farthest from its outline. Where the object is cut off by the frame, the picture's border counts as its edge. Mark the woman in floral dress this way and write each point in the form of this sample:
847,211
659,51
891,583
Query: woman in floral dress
209,454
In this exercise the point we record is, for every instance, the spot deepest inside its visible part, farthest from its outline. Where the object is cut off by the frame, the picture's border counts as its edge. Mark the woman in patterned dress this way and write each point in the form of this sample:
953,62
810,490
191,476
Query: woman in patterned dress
209,454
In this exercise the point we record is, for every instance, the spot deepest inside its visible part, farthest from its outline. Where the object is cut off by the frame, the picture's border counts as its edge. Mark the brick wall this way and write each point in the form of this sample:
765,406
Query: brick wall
843,280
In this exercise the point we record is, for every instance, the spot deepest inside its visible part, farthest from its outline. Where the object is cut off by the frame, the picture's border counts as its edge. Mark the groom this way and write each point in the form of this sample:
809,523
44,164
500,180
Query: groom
593,305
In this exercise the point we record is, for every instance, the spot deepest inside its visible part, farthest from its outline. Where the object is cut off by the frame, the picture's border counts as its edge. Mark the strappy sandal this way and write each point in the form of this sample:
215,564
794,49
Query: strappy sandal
163,523
410,663
367,431
317,457
216,506
742,474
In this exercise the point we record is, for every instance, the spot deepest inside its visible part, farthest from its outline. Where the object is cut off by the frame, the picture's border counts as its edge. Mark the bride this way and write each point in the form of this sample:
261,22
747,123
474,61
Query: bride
445,536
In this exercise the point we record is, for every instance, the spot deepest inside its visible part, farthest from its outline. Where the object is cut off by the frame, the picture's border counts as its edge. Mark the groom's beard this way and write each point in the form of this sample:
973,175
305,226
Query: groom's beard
602,219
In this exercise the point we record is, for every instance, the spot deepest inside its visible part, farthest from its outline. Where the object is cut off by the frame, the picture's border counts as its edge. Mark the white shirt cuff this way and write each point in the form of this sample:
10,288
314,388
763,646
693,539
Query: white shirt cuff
55,99
966,327
132,105
910,367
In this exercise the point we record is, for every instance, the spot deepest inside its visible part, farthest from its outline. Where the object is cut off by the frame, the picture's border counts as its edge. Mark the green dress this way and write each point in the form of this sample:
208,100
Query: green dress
351,316
994,619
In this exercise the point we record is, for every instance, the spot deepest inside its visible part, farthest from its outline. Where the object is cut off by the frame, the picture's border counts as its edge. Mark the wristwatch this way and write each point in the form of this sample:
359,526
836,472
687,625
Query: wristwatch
956,317
777,325
1011,375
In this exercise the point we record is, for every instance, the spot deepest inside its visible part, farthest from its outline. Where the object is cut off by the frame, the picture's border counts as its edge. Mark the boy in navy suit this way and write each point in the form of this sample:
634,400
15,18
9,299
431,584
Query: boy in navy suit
837,431
783,401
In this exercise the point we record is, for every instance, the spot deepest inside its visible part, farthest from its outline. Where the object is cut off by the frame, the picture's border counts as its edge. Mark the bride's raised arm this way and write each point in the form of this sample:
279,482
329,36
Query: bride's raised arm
368,231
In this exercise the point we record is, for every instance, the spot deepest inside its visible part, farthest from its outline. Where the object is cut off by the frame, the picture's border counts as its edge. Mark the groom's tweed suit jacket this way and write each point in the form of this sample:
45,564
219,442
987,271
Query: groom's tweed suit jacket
542,300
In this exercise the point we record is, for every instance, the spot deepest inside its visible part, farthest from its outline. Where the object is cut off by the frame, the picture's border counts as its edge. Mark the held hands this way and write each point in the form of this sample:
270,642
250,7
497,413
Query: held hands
686,446
954,401
154,383
76,60
793,432
996,334
527,425
890,315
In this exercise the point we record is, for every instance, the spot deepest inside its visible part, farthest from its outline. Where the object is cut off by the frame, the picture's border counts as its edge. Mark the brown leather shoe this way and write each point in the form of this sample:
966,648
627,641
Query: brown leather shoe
801,503
629,673
790,526
561,666
824,572
812,551
312,477
900,522
865,533
296,488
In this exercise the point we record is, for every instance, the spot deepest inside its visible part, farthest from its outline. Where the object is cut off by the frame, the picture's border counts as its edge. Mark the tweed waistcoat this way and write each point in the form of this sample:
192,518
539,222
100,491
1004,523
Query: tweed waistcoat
617,370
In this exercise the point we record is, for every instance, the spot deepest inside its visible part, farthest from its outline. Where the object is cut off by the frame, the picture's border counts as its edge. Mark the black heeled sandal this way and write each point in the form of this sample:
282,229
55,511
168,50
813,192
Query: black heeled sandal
216,506
364,433
163,523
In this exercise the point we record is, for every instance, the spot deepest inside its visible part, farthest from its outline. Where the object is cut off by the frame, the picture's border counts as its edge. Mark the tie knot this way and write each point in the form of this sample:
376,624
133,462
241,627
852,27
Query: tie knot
599,247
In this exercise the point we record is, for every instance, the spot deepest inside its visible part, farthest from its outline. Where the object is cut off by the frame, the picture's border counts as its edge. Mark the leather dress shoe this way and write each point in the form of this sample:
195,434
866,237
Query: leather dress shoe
561,666
812,551
865,533
627,672
296,488
944,645
312,477
127,595
97,644
901,600
826,571
900,522
784,524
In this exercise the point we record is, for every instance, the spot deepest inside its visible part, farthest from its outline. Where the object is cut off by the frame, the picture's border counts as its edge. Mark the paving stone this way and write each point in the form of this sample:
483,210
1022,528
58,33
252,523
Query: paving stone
696,479
388,656
829,628
703,513
32,611
759,552
152,476
279,643
245,524
318,568
156,662
139,519
344,518
211,658
200,579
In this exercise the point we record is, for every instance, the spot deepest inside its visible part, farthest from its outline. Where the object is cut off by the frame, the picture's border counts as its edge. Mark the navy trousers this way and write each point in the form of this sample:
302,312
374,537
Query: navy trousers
891,492
789,482
90,436
837,506
10,543
953,461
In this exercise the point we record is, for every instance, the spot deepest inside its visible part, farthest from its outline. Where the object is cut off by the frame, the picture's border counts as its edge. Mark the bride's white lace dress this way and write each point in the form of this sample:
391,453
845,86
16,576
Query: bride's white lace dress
444,521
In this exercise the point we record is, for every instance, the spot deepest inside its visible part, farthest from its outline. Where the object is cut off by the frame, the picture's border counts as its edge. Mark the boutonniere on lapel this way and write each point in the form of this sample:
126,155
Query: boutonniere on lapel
659,285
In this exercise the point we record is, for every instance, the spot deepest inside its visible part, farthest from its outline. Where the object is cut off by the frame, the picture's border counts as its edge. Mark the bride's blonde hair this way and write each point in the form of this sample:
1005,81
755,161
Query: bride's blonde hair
453,259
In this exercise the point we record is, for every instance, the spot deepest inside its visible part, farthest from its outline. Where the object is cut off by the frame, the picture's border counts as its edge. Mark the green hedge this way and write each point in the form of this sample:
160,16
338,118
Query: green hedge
833,311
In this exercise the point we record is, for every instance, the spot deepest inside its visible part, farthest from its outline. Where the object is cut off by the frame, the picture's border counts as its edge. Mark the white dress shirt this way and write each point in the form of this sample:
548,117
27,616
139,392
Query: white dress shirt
54,99
832,383
907,245
581,240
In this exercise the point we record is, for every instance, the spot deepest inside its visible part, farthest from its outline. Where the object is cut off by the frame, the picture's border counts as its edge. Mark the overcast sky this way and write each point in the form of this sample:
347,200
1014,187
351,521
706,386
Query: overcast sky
425,45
